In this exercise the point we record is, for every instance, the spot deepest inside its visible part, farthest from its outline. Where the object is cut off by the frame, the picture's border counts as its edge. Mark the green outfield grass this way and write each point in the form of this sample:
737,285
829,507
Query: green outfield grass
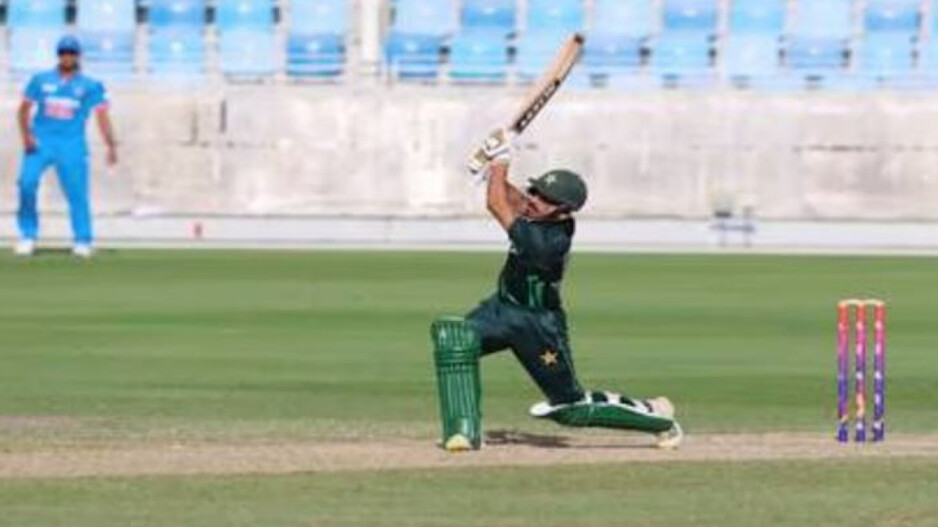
233,342
149,346
868,493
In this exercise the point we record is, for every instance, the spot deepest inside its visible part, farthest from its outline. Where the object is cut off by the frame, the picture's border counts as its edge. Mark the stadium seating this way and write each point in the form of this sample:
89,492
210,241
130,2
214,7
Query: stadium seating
766,17
630,18
682,59
420,17
886,59
818,44
698,16
413,56
489,16
318,17
816,57
247,53
179,15
244,15
114,16
315,56
534,53
750,60
36,14
478,56
107,35
176,54
892,16
818,19
32,50
555,16
414,45
607,56
316,38
109,55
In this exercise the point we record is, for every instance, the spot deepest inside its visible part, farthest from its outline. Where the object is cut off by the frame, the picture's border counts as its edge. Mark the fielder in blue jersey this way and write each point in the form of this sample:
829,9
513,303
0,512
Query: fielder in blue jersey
60,102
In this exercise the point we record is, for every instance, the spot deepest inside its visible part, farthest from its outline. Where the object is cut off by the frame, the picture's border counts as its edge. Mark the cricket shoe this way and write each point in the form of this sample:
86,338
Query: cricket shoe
672,438
24,247
83,251
612,410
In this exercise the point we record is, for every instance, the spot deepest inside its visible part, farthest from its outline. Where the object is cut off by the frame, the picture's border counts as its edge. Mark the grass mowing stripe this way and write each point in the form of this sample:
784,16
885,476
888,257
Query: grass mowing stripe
861,492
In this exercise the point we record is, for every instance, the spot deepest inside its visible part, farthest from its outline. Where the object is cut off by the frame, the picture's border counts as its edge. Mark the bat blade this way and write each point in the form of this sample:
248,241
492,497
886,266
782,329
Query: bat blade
549,83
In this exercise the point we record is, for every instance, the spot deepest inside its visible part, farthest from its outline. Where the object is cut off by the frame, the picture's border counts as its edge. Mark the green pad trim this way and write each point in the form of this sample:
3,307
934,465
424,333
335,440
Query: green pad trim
608,415
456,357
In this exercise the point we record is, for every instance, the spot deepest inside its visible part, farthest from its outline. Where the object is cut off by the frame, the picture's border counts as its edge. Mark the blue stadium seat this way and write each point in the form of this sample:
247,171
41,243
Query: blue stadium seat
555,15
475,56
816,56
106,15
886,56
633,18
757,16
177,53
315,56
247,53
422,17
747,58
606,55
824,19
534,52
318,17
177,14
108,54
496,16
691,16
682,57
236,15
892,16
32,50
410,56
49,14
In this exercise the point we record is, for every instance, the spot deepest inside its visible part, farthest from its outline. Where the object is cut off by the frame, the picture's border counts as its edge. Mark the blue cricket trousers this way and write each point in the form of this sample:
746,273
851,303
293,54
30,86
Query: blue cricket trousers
70,159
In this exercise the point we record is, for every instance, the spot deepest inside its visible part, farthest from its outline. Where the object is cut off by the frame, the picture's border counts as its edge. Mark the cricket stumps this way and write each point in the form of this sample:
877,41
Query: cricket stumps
858,311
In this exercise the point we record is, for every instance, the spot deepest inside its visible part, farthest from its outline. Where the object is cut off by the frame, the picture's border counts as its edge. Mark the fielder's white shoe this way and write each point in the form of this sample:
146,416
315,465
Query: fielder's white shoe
24,247
83,250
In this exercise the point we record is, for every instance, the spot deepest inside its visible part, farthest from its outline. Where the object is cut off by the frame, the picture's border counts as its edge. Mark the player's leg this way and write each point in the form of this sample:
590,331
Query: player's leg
539,342
27,216
569,405
72,166
458,345
456,358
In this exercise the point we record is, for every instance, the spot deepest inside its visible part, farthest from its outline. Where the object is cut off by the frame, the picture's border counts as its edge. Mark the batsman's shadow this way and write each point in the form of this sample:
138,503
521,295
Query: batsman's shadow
496,438
514,437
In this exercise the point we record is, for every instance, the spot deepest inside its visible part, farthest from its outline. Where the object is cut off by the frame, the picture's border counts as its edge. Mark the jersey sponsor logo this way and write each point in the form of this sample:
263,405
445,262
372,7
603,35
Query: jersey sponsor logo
61,108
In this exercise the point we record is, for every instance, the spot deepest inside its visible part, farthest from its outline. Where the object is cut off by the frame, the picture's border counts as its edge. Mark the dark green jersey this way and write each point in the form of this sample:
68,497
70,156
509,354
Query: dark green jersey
536,262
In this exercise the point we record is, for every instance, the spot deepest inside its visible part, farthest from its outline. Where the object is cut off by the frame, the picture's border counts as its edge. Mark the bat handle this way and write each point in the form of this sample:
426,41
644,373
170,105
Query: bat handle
477,161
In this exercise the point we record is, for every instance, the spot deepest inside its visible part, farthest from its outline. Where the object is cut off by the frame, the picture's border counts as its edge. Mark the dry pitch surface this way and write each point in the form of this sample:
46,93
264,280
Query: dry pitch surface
502,449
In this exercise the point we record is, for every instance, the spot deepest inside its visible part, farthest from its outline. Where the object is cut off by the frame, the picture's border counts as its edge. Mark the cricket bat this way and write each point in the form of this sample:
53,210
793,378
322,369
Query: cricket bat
540,94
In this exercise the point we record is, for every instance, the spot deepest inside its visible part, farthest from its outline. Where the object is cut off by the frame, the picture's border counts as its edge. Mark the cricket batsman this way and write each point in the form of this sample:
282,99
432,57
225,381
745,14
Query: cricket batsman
62,98
526,315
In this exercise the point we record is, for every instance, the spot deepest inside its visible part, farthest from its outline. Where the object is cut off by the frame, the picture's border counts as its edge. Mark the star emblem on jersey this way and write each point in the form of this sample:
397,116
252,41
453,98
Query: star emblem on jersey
549,358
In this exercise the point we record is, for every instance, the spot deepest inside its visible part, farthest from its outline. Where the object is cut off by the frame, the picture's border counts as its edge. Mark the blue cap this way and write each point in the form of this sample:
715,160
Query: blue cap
68,44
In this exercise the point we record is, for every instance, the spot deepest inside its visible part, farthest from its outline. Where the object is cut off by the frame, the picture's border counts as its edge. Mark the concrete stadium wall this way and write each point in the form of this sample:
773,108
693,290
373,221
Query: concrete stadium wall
334,150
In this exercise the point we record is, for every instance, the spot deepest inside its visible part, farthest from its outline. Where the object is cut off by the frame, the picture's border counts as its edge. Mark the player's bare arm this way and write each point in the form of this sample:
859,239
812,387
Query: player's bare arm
22,118
107,133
